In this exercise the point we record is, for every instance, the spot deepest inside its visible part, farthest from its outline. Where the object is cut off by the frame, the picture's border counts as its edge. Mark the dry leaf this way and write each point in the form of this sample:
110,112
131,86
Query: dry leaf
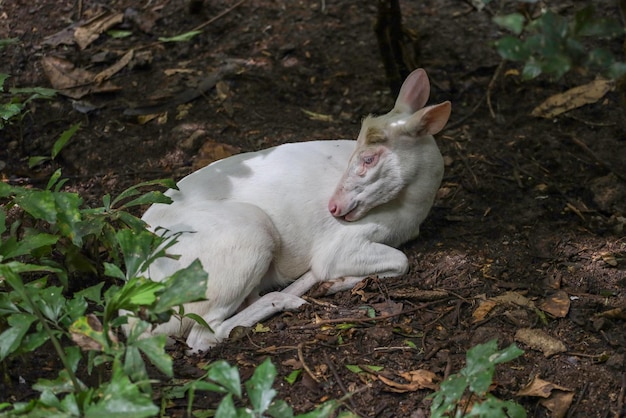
556,398
573,98
483,309
541,341
71,81
115,68
212,151
514,298
540,388
558,403
388,307
92,30
557,304
418,379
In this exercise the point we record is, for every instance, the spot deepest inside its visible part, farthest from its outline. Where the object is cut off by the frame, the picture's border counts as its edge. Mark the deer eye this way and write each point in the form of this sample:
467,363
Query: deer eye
369,159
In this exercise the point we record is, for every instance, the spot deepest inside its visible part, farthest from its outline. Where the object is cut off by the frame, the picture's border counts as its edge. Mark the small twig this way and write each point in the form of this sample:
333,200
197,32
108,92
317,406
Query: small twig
333,370
487,96
304,366
620,398
219,16
360,319
492,82
593,155
570,412
465,163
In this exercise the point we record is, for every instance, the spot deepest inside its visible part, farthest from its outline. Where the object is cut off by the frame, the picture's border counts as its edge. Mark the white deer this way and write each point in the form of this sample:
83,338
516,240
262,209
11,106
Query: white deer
300,214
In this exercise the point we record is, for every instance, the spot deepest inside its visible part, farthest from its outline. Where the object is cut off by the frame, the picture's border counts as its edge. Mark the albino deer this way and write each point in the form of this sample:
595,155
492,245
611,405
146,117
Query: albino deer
301,214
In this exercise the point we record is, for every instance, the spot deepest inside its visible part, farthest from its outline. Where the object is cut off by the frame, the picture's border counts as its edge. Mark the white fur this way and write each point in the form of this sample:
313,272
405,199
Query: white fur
295,214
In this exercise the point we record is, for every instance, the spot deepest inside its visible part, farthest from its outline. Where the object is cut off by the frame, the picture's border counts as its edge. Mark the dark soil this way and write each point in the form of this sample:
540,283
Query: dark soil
528,205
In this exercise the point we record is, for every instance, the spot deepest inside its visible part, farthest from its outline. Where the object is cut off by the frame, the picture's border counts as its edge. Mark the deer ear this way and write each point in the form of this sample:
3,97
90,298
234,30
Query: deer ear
430,120
413,93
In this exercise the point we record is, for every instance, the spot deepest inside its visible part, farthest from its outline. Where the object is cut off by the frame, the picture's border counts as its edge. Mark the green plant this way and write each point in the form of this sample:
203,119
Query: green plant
465,394
552,44
223,378
50,242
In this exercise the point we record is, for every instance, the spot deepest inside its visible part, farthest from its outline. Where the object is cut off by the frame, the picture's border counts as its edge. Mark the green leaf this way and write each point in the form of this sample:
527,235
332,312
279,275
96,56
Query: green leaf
513,22
532,69
259,387
154,349
132,191
122,398
40,204
512,49
119,34
280,409
112,270
183,37
69,216
51,302
293,376
12,248
35,161
226,408
11,338
354,368
186,285
63,139
148,199
226,375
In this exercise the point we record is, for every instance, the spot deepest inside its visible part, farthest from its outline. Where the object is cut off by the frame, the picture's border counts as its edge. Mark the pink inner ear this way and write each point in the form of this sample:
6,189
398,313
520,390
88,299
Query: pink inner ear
414,92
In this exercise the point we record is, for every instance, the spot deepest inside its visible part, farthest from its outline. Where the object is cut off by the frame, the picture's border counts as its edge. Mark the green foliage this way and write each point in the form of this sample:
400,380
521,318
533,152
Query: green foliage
466,394
220,377
49,243
553,44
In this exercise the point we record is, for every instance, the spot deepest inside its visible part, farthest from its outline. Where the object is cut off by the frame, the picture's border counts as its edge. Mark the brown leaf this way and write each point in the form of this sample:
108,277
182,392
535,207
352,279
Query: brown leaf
540,388
388,307
212,151
90,31
573,98
540,340
557,304
115,68
418,379
483,309
71,81
558,403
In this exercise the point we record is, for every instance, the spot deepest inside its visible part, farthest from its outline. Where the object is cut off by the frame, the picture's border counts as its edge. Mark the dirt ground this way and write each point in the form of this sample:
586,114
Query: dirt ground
527,232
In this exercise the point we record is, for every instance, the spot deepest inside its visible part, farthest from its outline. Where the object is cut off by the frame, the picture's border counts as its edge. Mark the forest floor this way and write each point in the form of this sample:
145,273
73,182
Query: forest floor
526,237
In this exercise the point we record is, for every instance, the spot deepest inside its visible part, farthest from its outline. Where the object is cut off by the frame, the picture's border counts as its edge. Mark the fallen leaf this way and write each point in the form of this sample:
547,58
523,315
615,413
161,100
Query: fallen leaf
556,304
212,151
540,388
514,298
483,309
388,307
540,340
115,68
71,81
418,379
616,313
558,403
573,98
91,30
